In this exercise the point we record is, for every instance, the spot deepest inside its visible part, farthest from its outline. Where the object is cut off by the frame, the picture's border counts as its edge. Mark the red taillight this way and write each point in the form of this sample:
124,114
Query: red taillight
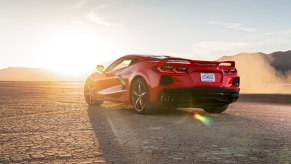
180,69
232,70
165,69
171,69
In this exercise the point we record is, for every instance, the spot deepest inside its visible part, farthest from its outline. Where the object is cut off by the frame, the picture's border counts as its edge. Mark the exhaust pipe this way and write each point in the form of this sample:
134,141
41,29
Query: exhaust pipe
167,98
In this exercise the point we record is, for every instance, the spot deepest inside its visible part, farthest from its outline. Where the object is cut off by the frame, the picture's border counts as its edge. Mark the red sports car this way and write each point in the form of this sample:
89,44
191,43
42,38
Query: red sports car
148,81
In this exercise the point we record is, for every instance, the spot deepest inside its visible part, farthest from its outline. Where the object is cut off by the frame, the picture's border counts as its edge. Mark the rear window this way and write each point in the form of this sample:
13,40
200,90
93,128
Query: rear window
158,57
179,61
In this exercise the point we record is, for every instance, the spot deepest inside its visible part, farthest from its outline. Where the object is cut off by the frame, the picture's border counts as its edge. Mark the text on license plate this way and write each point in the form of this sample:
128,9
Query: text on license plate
207,77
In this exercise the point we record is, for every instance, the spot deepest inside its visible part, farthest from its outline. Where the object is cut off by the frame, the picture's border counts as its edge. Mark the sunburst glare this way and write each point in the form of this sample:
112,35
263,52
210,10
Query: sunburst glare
206,121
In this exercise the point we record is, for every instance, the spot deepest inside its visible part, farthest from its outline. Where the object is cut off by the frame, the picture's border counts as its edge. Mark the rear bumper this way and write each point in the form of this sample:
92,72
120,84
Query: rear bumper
198,96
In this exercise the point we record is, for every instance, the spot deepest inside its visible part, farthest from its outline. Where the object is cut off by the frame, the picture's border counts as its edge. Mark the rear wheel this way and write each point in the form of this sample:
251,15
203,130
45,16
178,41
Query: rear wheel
139,96
215,109
90,93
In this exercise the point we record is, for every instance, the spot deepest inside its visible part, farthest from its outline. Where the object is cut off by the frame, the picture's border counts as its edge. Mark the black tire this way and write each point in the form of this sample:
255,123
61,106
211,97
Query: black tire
215,109
139,96
168,107
89,93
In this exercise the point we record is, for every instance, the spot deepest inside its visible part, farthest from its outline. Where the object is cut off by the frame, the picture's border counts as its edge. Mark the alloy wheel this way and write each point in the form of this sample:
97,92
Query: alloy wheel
90,93
139,96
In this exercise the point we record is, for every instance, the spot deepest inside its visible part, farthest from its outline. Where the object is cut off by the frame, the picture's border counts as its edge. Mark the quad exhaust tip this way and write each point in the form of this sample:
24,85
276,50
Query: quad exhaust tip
167,98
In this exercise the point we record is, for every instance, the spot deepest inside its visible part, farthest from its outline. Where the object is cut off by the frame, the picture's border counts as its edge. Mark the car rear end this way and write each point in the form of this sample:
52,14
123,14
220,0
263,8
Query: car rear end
194,83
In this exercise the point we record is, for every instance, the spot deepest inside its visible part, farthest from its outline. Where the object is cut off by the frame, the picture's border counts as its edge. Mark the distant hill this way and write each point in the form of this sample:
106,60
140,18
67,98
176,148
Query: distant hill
281,61
30,74
267,73
40,74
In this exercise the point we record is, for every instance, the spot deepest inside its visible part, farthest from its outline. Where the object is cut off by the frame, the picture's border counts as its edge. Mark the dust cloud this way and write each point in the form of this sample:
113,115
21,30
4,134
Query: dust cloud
258,75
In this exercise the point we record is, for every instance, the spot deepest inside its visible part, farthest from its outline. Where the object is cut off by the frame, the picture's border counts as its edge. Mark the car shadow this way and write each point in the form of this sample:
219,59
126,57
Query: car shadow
122,135
105,133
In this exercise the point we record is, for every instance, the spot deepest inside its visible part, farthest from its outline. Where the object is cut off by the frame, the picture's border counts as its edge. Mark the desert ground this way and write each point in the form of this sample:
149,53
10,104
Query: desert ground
49,122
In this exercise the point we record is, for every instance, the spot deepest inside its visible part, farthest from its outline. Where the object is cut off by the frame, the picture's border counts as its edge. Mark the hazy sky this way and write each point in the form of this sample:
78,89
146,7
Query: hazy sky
70,34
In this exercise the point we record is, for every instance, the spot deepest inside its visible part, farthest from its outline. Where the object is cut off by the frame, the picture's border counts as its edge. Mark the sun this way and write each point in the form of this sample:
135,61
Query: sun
75,52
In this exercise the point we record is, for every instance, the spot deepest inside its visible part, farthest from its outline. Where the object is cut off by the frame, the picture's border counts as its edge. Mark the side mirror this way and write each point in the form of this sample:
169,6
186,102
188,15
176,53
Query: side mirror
100,68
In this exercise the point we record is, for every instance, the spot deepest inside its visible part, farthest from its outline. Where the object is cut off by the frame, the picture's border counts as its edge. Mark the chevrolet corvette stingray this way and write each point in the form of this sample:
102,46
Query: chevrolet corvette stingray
148,82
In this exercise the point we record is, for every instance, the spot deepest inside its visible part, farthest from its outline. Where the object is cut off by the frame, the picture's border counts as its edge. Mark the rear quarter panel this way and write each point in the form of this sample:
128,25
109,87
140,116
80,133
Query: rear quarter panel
145,70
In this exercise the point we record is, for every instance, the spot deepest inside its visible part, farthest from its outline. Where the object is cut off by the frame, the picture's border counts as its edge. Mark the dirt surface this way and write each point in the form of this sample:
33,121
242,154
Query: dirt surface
47,122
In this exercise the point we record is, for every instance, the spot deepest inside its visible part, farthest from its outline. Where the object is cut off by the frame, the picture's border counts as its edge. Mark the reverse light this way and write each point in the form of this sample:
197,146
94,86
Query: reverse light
233,70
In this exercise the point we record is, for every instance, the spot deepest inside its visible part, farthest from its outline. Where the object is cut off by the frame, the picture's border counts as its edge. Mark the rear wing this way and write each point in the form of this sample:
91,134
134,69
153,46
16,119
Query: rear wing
198,63
227,63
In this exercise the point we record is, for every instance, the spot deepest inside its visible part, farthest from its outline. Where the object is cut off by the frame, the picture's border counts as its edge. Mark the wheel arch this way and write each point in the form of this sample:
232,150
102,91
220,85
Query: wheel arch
133,79
136,77
145,71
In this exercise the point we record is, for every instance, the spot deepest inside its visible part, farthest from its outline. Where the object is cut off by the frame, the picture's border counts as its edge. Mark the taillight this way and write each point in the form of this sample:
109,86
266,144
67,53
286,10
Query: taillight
226,70
171,69
167,67
232,70
183,69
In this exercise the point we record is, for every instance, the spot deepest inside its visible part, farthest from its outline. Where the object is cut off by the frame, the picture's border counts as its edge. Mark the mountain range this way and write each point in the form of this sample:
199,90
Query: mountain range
30,74
263,73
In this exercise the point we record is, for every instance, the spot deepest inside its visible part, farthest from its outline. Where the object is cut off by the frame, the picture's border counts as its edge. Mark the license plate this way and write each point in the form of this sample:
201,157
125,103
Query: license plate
207,77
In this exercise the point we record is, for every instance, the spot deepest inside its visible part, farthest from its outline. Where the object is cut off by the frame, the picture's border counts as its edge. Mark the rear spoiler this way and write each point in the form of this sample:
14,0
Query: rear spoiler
232,63
197,62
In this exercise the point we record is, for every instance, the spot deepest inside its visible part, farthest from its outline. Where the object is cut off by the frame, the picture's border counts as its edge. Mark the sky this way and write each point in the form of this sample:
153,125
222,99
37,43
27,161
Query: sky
75,35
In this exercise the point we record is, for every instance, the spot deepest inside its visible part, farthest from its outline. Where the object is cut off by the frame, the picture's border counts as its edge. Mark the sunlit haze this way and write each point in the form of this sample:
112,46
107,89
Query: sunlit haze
72,36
